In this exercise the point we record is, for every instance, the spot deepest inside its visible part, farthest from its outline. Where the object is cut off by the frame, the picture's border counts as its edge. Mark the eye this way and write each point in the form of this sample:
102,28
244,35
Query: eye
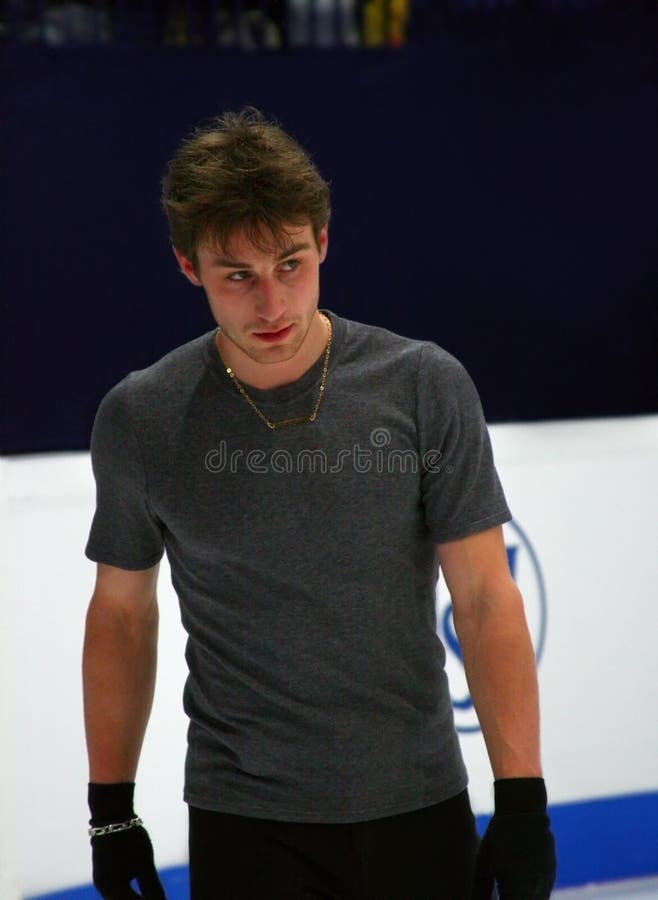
290,265
237,277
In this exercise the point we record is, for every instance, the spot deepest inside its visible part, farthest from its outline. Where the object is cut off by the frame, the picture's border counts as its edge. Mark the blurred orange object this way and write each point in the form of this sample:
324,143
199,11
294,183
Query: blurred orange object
385,22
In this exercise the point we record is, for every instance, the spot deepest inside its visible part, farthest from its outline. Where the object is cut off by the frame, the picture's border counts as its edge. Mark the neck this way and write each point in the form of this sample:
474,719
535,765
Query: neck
265,376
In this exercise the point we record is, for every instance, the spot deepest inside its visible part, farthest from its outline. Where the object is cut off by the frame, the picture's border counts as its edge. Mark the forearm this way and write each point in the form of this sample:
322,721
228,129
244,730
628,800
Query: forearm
501,673
119,666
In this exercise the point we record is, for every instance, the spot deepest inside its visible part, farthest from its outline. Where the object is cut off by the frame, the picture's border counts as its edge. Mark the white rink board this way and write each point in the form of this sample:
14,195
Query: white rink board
586,495
583,492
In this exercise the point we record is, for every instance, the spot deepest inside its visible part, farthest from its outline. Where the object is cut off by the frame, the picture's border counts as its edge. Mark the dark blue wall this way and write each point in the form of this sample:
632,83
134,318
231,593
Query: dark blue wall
495,190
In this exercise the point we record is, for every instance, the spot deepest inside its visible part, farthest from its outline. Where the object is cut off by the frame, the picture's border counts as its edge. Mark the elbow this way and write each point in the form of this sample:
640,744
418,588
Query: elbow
488,612
129,615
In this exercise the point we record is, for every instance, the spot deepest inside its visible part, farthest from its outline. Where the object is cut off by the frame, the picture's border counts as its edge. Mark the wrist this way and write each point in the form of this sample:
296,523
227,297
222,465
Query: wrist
109,803
519,795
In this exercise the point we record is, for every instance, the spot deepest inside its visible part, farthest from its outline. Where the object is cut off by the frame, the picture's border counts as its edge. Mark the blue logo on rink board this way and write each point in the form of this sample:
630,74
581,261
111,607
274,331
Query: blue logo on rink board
526,571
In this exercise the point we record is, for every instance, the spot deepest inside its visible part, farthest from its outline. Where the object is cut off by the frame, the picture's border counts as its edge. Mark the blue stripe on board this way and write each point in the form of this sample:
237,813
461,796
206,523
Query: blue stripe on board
607,840
175,882
598,840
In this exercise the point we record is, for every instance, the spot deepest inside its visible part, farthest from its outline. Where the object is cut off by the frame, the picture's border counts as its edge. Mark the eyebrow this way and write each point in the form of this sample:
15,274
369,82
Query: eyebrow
234,264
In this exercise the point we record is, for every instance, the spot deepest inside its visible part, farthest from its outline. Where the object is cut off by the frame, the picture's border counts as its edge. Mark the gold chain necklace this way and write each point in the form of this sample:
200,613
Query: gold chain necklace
285,422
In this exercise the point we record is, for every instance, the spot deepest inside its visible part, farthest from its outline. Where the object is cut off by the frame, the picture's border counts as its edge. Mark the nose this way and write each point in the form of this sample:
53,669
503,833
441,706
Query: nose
269,302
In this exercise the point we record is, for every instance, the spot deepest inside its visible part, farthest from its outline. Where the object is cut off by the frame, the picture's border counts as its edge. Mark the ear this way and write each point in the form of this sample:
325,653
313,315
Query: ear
186,268
324,243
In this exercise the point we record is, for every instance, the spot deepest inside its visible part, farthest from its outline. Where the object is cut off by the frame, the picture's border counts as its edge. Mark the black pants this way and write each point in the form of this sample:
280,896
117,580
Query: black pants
423,855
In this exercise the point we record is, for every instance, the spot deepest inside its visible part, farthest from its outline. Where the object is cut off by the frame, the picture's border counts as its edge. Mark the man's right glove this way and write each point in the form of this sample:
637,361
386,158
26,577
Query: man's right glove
121,848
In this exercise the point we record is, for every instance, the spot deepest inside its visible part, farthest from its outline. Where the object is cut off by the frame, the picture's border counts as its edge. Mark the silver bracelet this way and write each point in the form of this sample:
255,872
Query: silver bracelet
102,830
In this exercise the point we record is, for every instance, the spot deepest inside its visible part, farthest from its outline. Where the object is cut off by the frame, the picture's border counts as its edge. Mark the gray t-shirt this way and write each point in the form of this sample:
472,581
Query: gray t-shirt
304,562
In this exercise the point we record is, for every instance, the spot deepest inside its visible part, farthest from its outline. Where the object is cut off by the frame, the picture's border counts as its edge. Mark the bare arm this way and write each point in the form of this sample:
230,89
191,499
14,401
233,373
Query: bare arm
118,667
498,656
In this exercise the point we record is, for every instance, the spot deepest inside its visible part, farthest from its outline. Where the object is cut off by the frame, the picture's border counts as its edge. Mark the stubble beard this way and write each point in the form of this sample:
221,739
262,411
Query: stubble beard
267,355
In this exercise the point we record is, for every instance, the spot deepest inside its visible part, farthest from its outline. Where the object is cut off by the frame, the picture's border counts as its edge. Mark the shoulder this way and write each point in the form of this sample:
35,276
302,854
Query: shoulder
175,368
360,336
164,382
376,346
424,358
439,368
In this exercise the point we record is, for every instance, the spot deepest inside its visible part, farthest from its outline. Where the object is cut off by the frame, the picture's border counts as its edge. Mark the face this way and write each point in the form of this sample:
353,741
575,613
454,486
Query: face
264,301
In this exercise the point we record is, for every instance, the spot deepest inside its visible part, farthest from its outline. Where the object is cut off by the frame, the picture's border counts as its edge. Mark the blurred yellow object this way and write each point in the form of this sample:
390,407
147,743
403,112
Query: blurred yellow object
385,22
373,23
397,25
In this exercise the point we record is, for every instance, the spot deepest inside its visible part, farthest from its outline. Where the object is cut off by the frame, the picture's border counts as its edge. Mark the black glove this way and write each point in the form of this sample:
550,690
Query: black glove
122,856
517,852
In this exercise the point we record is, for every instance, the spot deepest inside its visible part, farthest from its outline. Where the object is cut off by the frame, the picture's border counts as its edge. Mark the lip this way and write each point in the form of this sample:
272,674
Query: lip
273,336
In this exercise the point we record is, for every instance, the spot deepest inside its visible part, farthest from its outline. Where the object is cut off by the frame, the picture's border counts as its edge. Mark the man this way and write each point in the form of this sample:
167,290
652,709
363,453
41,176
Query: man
306,476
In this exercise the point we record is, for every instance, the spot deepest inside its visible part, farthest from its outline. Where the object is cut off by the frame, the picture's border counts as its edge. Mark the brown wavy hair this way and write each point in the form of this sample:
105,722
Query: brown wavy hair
241,172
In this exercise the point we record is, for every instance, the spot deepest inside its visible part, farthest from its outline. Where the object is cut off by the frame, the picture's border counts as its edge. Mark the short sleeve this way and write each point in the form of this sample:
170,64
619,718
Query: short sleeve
124,531
461,491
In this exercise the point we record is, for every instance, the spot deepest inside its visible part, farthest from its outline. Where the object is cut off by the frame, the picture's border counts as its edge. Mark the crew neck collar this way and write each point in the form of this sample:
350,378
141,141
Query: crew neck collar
284,392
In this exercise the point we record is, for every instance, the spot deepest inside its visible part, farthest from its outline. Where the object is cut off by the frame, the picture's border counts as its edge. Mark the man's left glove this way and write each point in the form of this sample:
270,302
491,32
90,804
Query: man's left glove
517,852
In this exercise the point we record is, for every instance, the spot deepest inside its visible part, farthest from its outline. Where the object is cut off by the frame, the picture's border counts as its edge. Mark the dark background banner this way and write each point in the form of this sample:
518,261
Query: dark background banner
494,190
